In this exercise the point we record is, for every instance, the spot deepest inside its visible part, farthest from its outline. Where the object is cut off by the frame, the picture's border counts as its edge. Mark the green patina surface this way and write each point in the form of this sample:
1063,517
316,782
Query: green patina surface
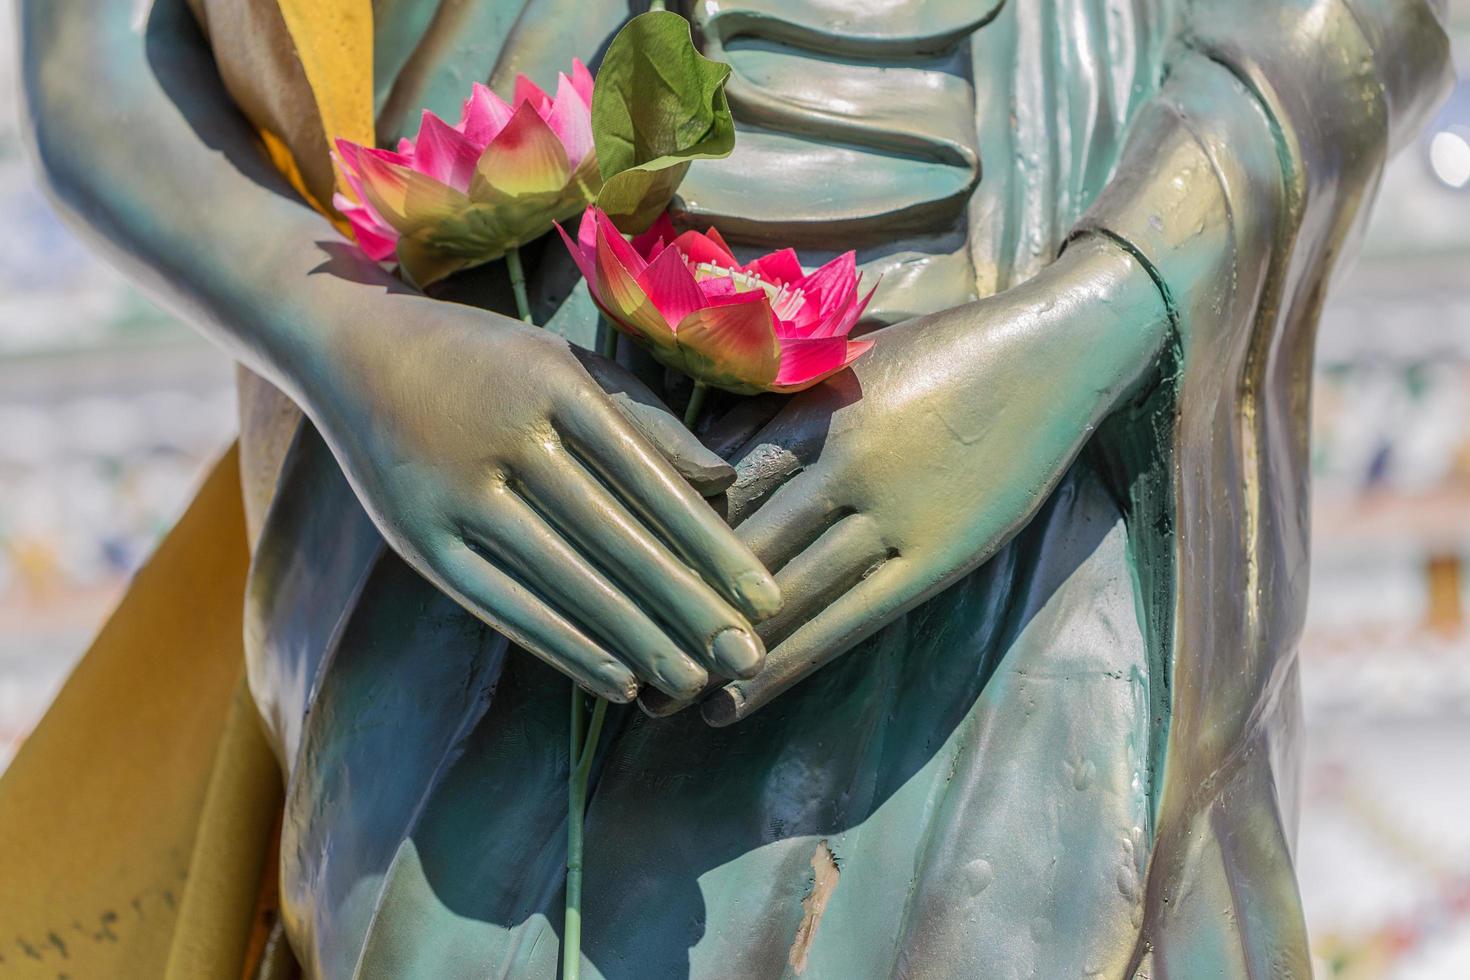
1029,698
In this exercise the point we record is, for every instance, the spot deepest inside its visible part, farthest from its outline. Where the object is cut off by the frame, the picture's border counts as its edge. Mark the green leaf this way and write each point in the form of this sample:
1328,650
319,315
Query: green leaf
635,198
658,104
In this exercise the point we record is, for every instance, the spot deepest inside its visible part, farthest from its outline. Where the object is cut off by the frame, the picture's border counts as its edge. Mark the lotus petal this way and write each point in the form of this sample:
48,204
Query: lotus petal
713,234
669,283
608,237
841,324
829,285
571,121
524,158
376,237
407,199
485,115
528,91
721,289
586,258
733,294
802,360
798,376
618,291
656,238
699,247
778,267
587,230
345,156
351,156
582,80
444,153
734,344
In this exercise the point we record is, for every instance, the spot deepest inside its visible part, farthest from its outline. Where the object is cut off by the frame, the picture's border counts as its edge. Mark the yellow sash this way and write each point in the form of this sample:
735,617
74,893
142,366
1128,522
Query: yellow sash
151,746
302,72
135,822
334,40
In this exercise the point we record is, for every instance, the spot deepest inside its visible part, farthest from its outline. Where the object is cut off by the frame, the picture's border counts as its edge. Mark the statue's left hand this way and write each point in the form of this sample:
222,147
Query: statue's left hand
874,491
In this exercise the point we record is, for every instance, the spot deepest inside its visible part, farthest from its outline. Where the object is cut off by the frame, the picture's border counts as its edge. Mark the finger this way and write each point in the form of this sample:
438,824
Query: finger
841,558
609,446
849,551
777,454
855,616
657,704
513,609
518,539
703,468
707,473
786,524
729,432
712,631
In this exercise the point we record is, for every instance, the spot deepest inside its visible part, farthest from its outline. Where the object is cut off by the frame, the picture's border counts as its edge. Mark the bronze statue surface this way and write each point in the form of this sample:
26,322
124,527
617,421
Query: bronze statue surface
975,660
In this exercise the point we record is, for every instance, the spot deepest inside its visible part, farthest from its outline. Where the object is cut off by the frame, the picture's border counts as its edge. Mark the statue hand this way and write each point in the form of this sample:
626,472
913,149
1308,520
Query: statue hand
876,490
551,503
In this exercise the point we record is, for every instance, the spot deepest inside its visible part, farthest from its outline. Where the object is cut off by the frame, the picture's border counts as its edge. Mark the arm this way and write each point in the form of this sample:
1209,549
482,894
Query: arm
141,146
525,493
1243,176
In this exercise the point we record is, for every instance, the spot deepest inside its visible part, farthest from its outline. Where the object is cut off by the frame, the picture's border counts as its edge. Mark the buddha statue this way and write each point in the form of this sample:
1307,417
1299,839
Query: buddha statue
976,660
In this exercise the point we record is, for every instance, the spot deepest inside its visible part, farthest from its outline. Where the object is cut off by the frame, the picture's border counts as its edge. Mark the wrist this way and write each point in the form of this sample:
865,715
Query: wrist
1109,299
365,348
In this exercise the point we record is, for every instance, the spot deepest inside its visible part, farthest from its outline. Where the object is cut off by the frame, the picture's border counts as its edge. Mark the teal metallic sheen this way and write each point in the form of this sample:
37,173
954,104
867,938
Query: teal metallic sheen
1026,704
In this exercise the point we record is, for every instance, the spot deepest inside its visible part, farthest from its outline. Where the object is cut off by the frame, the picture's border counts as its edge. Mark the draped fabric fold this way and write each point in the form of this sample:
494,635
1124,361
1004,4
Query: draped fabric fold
302,72
135,820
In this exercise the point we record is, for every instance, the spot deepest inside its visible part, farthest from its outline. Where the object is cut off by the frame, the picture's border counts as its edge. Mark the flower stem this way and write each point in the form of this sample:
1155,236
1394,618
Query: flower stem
696,405
583,746
609,339
518,282
583,739
655,5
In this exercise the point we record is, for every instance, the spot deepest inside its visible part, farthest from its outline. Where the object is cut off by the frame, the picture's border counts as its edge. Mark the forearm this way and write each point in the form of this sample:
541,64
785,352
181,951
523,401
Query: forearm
1094,318
141,144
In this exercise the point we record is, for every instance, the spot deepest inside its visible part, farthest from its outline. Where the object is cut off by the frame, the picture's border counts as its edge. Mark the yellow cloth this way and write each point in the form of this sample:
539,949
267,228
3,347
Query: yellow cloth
334,40
150,751
302,72
136,821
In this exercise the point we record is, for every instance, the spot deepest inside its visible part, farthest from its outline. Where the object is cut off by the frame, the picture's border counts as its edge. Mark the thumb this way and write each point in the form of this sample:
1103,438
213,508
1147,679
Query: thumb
706,472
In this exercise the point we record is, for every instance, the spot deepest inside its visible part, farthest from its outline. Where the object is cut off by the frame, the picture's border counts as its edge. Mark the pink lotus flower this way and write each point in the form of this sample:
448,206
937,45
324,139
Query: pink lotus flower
763,326
465,194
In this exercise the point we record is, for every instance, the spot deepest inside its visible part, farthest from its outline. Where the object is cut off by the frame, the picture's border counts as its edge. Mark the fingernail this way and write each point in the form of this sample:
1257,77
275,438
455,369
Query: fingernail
737,652
618,685
684,682
761,594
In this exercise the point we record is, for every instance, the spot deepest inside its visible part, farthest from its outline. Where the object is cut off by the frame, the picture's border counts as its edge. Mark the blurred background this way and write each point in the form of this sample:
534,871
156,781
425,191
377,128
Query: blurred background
110,412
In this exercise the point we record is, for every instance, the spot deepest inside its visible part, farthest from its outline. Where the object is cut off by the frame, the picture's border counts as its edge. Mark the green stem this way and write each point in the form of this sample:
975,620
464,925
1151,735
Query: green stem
696,405
518,282
655,5
609,339
582,744
583,747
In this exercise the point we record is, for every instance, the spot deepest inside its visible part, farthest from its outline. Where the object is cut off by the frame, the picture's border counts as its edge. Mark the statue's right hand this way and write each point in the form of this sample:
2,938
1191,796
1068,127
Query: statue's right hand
554,505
